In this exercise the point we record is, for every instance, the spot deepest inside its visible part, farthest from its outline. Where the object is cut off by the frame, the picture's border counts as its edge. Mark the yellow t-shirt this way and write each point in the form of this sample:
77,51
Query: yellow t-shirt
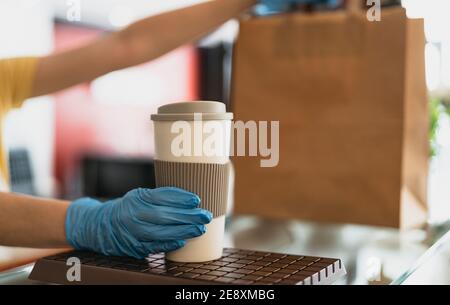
16,81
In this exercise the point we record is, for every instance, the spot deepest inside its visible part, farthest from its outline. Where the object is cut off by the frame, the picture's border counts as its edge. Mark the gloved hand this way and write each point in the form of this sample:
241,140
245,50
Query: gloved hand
267,7
144,221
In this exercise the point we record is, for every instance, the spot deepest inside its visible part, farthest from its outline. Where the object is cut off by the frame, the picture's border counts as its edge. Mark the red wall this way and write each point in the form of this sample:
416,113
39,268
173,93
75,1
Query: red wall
84,125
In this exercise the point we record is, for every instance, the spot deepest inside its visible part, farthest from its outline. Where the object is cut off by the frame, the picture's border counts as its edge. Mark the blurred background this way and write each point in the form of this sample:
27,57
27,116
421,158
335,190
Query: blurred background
75,142
106,123
96,139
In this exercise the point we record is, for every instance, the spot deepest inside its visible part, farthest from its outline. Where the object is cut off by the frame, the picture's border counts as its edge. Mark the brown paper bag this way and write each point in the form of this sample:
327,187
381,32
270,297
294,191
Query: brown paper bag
351,99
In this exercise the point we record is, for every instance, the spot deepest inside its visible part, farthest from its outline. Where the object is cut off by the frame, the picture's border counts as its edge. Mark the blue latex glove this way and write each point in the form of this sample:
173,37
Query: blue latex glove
142,222
267,7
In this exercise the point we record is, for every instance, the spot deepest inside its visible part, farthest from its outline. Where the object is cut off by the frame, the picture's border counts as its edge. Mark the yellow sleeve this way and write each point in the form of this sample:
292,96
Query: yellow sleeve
16,81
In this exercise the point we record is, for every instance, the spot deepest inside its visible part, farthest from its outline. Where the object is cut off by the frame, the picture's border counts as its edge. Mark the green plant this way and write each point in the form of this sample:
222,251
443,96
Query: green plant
446,104
437,109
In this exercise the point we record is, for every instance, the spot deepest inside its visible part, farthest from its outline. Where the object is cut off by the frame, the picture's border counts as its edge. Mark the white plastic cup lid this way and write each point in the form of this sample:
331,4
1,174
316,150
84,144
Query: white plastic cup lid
186,111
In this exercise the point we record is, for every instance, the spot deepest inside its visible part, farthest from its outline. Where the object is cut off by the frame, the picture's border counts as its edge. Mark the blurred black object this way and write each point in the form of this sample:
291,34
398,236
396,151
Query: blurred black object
21,175
385,3
108,177
215,72
211,73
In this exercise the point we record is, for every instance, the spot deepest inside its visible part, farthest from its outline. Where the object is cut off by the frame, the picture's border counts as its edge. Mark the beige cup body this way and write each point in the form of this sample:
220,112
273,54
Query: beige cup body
165,137
208,246
205,248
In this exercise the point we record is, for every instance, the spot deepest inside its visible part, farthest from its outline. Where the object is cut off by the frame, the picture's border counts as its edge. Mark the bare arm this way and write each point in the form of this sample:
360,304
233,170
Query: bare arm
31,222
140,42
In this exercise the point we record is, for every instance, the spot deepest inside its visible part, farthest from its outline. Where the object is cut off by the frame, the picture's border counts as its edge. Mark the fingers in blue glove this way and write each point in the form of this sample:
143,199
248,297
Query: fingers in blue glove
169,196
170,206
174,216
150,232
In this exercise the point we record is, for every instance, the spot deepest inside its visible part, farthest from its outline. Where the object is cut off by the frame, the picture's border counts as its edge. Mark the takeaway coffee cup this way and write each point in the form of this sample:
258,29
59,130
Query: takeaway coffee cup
192,149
